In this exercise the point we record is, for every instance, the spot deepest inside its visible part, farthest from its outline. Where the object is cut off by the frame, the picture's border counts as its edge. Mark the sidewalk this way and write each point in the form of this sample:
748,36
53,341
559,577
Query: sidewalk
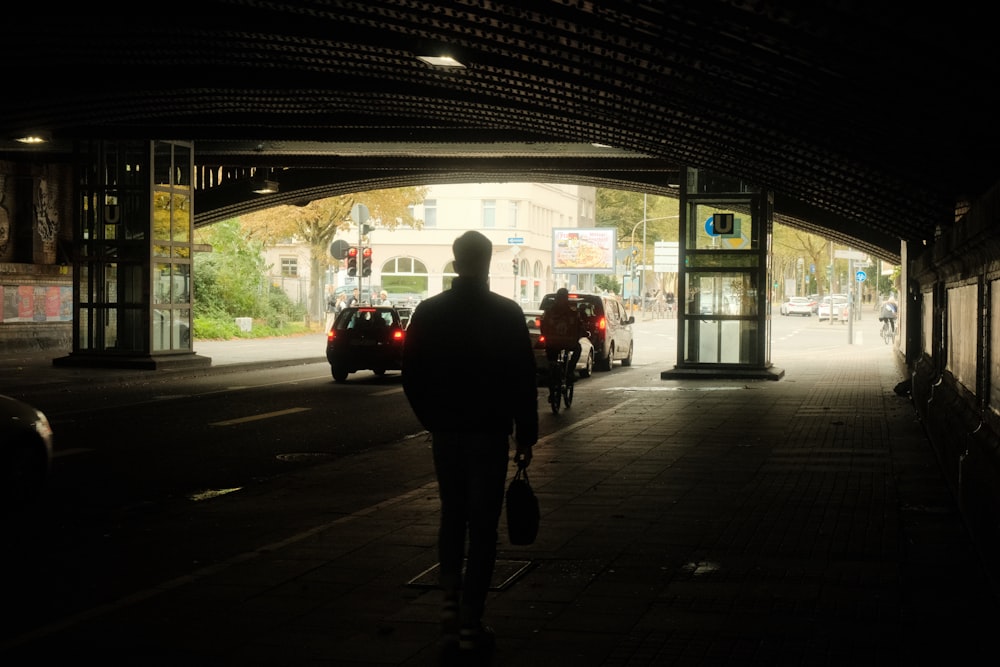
794,522
27,368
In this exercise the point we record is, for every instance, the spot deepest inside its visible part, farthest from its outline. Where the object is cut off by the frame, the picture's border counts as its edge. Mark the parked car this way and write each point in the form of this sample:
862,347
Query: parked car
840,310
365,338
609,324
25,453
584,367
797,305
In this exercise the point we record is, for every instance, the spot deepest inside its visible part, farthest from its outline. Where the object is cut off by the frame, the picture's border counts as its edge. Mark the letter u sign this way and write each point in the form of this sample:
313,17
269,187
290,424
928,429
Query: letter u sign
722,223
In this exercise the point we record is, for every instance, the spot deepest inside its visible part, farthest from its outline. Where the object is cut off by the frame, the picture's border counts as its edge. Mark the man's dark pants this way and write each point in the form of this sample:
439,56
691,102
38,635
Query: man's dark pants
472,473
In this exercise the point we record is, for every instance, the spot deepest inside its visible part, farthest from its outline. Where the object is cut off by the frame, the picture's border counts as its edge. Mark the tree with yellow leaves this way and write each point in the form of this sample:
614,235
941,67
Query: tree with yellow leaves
317,223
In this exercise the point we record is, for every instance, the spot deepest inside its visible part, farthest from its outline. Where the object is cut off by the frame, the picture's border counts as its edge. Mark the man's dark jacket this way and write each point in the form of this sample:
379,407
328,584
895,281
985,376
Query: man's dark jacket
468,365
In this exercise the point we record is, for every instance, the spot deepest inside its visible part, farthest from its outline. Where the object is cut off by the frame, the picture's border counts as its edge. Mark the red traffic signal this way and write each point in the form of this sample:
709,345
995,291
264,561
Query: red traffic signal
352,261
366,262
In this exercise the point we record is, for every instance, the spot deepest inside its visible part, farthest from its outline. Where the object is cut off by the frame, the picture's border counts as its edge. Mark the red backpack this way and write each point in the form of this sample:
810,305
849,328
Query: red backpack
561,327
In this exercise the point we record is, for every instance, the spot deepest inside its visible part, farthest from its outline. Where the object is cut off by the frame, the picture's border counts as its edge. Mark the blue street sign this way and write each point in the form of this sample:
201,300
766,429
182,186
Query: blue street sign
861,275
515,240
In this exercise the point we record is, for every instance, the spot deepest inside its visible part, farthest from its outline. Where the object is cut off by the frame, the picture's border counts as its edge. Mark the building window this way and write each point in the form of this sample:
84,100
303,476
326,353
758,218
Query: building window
513,210
489,213
290,267
405,279
430,213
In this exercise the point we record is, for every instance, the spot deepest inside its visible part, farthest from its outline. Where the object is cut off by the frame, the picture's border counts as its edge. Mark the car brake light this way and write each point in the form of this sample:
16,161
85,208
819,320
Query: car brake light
602,324
330,335
397,334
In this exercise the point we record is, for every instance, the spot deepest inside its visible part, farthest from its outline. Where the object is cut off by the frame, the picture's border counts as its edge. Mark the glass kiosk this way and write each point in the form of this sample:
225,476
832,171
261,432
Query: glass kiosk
723,327
134,246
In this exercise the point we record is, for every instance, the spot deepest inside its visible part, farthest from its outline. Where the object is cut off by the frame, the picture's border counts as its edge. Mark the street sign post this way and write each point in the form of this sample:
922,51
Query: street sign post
851,254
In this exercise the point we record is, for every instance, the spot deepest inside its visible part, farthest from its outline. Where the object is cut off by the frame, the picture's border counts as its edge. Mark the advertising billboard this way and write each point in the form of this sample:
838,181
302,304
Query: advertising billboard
586,250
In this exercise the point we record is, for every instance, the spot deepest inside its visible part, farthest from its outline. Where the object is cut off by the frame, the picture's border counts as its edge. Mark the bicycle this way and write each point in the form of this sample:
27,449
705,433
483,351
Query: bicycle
887,332
560,382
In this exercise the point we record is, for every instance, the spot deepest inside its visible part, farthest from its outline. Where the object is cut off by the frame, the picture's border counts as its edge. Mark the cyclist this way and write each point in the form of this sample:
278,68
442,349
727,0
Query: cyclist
888,314
562,328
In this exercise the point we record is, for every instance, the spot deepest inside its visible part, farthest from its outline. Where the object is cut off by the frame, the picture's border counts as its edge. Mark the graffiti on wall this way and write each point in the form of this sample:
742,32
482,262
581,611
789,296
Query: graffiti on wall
4,218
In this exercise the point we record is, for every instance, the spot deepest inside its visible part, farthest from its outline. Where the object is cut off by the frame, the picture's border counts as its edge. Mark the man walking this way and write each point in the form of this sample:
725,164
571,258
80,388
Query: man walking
463,332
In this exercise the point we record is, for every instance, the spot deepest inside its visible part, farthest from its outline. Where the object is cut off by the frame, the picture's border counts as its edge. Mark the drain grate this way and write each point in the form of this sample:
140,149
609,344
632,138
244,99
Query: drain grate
504,575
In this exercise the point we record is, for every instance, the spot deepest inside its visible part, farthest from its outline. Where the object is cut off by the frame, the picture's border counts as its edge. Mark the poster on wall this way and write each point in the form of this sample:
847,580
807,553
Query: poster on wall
26,303
587,250
10,299
36,303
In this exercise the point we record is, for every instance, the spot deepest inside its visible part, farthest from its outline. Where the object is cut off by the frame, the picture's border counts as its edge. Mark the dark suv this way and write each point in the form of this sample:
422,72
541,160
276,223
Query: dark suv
365,337
609,324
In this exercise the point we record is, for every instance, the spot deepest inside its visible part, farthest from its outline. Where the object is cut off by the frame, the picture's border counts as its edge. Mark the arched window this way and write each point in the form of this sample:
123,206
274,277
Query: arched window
404,278
536,273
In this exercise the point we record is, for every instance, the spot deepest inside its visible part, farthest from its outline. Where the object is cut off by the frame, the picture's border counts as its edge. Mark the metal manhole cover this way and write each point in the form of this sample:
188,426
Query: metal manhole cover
504,575
302,456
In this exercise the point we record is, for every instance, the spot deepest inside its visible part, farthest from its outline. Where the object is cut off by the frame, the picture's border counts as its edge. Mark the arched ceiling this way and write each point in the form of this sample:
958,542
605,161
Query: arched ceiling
873,124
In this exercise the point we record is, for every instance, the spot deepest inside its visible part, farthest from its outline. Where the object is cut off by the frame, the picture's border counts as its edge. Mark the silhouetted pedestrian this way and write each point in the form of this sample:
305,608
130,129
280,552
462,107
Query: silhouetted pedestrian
463,332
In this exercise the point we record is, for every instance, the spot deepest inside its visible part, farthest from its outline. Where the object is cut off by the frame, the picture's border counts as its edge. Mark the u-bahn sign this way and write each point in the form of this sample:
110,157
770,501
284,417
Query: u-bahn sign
721,224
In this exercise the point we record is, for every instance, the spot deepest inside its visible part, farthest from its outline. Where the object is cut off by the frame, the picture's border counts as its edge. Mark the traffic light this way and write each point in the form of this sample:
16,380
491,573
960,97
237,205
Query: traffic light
352,261
514,261
366,262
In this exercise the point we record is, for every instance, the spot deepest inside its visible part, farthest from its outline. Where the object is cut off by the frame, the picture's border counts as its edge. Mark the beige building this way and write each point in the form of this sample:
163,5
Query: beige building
416,263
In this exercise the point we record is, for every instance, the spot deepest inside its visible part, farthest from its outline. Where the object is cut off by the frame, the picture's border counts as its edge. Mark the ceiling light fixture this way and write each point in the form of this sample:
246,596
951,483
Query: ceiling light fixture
265,187
32,139
440,61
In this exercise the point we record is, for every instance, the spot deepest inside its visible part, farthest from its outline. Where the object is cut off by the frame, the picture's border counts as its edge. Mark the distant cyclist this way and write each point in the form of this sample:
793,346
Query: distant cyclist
888,314
562,329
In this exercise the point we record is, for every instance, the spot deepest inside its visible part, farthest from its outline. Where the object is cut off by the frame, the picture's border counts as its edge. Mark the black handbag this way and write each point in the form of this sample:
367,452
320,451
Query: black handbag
522,509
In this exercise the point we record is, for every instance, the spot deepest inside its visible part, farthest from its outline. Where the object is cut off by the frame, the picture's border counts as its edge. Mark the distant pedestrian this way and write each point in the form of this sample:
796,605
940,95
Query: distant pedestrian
471,430
331,307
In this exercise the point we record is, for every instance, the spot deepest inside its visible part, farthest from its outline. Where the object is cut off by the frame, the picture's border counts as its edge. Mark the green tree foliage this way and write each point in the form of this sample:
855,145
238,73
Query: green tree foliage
624,210
788,246
230,282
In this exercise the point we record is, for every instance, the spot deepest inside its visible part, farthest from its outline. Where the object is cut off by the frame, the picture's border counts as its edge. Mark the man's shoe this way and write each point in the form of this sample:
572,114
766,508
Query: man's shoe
477,640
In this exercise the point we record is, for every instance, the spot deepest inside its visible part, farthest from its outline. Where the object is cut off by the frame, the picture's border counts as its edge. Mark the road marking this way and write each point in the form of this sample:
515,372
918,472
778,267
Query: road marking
266,415
403,499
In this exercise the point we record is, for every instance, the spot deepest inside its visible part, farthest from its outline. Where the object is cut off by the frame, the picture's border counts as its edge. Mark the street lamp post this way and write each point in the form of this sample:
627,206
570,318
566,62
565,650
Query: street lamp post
632,244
